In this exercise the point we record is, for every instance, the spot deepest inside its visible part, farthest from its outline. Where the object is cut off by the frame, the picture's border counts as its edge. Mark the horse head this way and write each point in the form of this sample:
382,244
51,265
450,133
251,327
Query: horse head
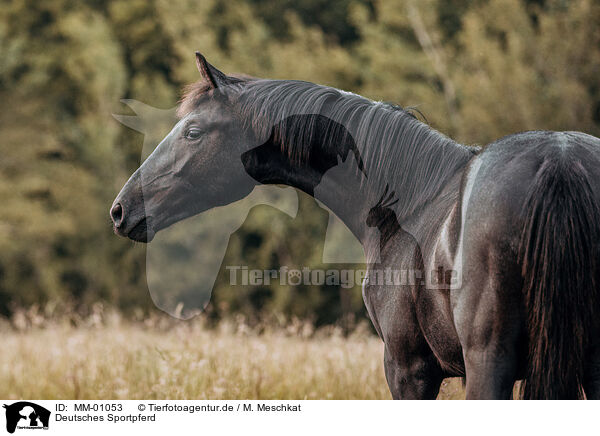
196,167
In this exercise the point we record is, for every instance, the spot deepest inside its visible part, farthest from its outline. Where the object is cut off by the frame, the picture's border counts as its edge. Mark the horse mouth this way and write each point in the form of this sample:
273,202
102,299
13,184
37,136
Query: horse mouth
142,232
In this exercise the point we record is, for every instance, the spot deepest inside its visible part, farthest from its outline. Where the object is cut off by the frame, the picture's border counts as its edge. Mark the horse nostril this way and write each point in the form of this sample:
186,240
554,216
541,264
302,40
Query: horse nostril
116,213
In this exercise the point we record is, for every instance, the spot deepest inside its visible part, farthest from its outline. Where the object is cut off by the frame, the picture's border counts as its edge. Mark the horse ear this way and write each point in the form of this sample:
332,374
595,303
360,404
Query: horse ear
209,73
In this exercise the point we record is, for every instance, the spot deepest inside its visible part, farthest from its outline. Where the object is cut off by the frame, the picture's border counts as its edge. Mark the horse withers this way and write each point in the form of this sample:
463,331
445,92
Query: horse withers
504,240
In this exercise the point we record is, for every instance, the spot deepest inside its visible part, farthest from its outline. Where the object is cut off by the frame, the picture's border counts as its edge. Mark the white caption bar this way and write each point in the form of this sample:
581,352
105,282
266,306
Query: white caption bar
149,417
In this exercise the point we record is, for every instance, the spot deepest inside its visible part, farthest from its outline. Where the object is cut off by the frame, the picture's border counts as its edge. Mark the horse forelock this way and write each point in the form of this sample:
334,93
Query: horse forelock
194,92
191,96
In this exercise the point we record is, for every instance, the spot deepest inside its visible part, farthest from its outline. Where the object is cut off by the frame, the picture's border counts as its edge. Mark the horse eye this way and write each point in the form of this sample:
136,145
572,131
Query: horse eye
193,133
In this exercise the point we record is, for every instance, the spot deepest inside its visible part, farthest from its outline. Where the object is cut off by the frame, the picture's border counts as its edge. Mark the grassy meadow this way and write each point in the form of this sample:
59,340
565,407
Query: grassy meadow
162,358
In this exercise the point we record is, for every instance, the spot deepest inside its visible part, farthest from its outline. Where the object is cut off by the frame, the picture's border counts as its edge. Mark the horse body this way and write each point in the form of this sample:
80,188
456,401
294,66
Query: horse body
506,288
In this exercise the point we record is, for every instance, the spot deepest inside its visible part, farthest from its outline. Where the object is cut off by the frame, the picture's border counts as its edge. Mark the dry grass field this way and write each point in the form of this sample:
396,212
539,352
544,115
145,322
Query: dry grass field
167,359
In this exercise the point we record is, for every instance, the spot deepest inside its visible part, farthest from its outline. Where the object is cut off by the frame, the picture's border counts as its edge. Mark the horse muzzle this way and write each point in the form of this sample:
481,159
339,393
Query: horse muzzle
137,227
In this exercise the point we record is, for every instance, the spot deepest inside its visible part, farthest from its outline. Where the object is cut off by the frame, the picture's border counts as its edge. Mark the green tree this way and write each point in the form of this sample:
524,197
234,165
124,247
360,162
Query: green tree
60,74
515,73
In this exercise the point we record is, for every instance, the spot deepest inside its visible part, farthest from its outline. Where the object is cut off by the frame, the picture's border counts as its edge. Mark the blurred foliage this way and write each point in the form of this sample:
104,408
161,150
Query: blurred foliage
478,69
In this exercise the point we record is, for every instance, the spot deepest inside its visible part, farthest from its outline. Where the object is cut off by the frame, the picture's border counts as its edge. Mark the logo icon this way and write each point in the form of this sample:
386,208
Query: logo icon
26,415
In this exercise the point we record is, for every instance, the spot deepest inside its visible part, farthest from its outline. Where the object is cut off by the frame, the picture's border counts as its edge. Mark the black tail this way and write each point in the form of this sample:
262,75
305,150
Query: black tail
558,255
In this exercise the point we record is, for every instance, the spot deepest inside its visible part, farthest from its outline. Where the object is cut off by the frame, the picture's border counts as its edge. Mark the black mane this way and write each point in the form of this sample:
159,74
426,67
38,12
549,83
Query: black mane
391,142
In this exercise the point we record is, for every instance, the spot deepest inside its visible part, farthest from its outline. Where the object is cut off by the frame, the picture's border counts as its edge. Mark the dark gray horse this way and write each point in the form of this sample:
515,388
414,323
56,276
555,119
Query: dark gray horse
505,239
